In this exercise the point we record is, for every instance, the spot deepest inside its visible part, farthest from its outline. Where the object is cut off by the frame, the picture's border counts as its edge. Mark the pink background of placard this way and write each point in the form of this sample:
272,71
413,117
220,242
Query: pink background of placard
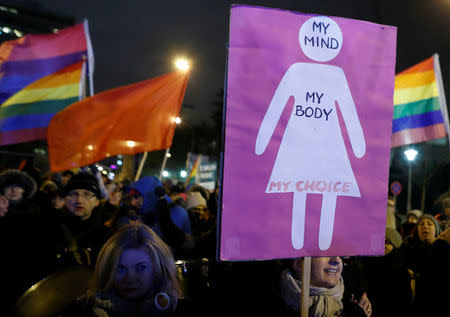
254,225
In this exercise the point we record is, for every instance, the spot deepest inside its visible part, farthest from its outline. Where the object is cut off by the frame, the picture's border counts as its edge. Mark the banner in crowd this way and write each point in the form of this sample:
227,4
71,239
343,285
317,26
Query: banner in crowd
41,75
307,135
126,120
420,108
203,171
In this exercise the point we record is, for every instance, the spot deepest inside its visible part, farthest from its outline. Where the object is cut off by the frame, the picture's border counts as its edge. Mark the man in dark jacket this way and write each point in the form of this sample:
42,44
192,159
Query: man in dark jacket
81,227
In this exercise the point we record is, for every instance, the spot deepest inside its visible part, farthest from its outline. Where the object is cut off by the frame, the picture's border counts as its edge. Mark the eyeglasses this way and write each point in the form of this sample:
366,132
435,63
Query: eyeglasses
85,195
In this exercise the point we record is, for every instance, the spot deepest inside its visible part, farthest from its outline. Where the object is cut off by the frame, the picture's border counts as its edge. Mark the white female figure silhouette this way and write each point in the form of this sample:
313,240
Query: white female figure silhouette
312,157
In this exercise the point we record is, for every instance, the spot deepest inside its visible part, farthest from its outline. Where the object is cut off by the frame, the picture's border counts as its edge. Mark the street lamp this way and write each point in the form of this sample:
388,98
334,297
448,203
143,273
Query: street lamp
182,64
177,121
410,156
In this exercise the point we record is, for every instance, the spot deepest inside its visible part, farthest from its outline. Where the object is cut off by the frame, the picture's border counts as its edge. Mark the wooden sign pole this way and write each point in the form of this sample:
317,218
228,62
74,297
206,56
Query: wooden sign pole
306,278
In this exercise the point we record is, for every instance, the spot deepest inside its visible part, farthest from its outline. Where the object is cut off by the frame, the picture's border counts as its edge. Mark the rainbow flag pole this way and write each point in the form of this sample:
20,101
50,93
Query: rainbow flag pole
442,99
420,111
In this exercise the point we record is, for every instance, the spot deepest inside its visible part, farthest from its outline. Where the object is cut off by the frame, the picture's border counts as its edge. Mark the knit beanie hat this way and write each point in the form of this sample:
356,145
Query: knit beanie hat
415,212
194,199
85,181
394,237
436,224
15,177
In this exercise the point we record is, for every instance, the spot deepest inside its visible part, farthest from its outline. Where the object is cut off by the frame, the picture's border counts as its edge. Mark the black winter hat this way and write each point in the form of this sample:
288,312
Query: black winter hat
17,177
85,181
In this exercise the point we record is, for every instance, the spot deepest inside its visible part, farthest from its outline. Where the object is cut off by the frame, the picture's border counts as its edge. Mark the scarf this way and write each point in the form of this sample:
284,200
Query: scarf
323,302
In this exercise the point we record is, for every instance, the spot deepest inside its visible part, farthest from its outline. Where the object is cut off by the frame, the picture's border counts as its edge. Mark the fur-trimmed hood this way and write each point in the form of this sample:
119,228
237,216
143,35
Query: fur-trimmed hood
13,176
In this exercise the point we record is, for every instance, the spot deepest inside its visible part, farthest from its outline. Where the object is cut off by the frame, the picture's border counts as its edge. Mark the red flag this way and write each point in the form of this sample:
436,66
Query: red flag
126,120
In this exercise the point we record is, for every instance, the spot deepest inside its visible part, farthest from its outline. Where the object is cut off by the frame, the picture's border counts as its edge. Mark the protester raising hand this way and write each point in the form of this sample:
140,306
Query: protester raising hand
364,303
445,235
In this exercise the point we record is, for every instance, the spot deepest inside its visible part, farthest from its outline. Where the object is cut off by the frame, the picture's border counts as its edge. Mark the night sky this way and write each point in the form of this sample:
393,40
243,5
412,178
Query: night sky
137,40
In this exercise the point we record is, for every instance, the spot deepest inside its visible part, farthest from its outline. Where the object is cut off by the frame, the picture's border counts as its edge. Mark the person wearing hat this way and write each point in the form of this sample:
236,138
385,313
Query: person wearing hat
409,225
18,187
427,254
196,206
80,226
22,241
144,199
203,224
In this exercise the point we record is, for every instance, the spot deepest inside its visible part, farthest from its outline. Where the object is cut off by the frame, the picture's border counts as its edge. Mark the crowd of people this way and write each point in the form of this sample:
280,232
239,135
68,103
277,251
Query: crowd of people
151,247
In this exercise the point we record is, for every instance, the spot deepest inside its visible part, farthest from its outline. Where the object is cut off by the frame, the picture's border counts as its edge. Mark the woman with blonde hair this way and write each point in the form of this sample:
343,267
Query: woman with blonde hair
135,275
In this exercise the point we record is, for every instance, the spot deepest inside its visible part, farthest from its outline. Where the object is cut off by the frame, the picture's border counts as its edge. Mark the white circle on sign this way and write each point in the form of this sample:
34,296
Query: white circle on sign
320,38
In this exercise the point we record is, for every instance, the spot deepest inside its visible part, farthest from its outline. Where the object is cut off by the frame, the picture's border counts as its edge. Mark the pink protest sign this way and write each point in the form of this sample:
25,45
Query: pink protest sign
307,135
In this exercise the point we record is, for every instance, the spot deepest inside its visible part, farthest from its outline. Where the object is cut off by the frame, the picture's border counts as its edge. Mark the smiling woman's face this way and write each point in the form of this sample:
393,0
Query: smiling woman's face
326,271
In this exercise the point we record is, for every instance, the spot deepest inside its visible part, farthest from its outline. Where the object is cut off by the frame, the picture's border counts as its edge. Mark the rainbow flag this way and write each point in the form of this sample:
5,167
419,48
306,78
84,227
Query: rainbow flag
420,110
41,74
192,178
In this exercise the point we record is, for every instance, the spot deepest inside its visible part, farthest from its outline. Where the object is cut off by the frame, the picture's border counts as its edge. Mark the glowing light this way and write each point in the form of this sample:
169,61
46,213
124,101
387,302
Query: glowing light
182,64
183,174
165,173
6,29
177,120
111,175
168,154
119,162
411,154
131,143
100,168
104,172
90,147
113,167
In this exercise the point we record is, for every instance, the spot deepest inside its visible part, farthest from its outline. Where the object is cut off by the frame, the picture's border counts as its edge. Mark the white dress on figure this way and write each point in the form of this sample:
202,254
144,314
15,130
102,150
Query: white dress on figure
312,148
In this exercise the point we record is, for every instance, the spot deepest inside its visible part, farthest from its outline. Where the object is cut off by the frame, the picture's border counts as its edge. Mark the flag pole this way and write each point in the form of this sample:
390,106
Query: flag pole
440,85
141,165
163,166
90,57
